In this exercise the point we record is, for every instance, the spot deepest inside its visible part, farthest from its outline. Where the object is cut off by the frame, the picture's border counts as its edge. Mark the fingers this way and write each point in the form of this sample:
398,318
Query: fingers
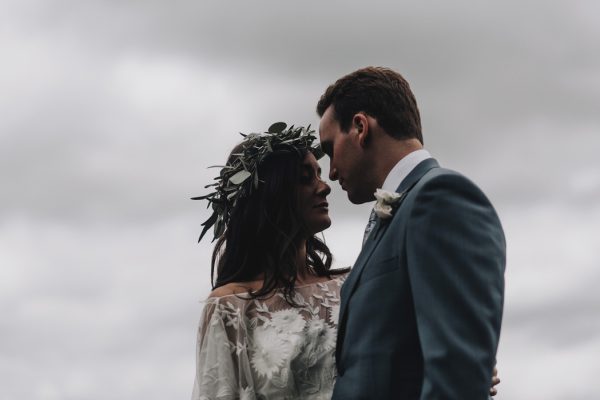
495,381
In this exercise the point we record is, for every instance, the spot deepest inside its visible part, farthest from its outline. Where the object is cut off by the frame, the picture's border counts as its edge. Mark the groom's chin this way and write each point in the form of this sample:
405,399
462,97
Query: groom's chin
360,198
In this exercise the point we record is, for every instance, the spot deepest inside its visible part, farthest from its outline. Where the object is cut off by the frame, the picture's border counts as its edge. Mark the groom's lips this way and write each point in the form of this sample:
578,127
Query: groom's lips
322,205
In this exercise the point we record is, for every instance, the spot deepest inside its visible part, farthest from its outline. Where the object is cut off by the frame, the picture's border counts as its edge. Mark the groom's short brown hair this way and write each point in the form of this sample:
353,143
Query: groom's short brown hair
379,92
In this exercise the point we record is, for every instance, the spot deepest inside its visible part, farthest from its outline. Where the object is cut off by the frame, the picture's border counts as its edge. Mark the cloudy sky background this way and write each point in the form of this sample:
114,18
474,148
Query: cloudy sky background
111,110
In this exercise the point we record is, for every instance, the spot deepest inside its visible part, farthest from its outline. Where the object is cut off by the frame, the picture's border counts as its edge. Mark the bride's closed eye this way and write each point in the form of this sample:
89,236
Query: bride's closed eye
306,178
309,174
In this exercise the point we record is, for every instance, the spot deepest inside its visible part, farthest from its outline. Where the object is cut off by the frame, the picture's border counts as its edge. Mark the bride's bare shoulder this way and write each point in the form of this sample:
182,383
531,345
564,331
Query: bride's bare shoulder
234,288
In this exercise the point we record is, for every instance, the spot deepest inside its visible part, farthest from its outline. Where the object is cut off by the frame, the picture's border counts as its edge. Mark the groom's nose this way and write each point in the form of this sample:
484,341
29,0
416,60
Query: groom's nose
333,174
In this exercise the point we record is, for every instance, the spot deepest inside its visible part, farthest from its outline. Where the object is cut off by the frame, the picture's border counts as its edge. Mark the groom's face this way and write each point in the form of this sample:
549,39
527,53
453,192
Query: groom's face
346,158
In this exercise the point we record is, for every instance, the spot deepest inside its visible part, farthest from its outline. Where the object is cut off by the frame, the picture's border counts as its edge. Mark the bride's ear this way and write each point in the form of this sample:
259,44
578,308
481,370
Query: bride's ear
360,123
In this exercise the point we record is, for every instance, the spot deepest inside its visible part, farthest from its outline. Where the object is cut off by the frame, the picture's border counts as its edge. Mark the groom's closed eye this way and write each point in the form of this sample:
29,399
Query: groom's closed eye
327,148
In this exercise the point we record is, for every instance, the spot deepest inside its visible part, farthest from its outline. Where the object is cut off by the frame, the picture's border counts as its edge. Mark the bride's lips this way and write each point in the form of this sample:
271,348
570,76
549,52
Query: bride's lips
323,205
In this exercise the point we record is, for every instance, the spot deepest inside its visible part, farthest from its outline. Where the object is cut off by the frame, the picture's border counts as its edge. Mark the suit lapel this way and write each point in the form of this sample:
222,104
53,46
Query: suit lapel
417,173
352,280
364,255
350,285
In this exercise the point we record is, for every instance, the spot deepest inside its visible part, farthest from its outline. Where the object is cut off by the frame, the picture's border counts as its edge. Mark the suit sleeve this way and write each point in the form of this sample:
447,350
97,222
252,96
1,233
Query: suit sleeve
456,259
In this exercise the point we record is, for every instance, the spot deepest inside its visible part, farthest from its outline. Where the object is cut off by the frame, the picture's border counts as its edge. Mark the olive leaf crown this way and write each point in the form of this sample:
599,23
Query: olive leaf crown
240,177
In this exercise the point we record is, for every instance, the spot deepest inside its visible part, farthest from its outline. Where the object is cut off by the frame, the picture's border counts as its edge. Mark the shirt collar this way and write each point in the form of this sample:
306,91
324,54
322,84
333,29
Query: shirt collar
403,168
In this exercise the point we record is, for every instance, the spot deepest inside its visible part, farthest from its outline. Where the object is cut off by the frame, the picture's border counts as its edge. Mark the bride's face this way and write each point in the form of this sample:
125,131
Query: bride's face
312,196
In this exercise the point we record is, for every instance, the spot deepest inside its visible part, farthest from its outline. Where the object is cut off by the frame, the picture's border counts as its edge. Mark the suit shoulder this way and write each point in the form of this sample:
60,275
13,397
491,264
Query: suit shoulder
438,175
448,180
440,185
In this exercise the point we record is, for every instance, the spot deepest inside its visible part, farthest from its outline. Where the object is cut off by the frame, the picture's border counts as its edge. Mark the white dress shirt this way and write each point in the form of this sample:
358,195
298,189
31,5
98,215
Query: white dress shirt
393,180
403,168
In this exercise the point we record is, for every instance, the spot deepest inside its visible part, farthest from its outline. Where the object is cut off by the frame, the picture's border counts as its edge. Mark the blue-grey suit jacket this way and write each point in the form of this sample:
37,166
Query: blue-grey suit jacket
421,310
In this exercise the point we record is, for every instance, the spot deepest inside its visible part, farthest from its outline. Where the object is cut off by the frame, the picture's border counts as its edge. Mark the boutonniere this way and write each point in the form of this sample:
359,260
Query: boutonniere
386,202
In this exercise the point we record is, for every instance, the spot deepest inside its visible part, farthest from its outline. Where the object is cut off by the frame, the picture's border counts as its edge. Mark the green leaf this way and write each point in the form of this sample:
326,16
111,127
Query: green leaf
219,227
208,224
202,197
318,152
277,127
239,177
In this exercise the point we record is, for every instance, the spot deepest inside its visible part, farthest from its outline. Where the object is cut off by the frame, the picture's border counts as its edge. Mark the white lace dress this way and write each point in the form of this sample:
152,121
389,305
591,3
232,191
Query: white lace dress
266,349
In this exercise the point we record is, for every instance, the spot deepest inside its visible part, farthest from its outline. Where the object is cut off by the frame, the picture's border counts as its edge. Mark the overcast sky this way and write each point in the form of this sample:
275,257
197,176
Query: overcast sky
110,112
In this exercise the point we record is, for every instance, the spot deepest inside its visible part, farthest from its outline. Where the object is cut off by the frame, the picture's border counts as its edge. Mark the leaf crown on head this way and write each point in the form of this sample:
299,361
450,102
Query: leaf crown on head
240,177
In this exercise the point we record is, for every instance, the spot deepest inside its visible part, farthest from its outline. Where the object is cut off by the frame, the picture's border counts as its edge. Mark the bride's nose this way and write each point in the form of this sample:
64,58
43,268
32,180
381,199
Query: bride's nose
323,189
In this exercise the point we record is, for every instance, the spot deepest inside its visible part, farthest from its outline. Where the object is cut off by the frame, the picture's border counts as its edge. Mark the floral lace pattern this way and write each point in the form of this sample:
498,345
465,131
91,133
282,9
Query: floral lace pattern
254,349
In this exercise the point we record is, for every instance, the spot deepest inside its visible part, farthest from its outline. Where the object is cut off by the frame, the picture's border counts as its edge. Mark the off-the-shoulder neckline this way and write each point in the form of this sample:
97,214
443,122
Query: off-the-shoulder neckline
241,294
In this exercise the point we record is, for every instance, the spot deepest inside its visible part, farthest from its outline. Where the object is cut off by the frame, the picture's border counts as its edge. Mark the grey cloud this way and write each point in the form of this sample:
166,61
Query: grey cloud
562,323
521,63
113,109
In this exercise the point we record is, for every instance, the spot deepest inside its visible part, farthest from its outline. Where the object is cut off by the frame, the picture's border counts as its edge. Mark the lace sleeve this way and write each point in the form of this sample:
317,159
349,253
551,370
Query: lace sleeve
222,364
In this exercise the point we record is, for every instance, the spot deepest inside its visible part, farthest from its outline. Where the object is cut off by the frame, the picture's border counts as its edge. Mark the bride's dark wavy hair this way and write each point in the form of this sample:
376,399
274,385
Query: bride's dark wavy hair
265,230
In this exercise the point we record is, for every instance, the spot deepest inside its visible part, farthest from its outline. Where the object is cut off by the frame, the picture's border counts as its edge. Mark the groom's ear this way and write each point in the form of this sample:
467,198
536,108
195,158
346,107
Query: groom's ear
360,123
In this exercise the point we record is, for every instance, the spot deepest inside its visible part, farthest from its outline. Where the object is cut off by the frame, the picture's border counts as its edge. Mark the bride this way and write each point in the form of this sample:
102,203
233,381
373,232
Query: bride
268,329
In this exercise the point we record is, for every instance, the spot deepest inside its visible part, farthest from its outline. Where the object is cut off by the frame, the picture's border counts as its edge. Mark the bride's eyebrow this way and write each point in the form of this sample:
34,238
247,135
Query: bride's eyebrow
309,168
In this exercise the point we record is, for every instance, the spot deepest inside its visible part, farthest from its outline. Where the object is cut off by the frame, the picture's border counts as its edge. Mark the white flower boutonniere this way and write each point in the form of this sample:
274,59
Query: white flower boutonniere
384,207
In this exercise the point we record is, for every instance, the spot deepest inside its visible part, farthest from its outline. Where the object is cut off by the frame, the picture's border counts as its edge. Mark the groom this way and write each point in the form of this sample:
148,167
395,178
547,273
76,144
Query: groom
421,310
